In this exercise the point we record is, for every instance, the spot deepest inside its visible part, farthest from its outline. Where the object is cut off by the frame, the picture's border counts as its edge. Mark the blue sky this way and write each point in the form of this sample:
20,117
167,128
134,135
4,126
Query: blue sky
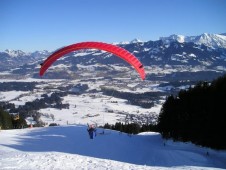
31,25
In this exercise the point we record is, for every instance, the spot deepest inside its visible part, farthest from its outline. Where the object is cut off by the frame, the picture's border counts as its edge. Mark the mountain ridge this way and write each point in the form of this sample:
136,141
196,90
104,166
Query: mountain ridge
210,40
205,39
169,53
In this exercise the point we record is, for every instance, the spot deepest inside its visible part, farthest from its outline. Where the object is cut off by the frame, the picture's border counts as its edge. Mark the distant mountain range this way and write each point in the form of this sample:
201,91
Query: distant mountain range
13,58
210,40
206,51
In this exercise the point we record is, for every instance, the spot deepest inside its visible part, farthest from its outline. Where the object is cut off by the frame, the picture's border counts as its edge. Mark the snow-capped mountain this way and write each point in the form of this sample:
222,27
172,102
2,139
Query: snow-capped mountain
15,53
19,53
210,40
176,53
14,58
136,40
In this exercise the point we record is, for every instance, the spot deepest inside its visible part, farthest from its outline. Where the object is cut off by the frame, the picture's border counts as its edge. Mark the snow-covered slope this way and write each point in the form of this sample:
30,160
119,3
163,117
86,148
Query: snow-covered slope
69,147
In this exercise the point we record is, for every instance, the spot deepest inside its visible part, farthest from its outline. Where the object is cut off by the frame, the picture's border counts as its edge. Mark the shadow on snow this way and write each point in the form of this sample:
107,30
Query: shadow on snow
138,149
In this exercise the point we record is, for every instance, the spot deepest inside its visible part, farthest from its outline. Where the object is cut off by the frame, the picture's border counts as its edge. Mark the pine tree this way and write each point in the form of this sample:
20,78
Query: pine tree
5,120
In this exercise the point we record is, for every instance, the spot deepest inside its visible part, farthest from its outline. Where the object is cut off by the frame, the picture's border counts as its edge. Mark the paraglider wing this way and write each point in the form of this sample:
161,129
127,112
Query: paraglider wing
118,51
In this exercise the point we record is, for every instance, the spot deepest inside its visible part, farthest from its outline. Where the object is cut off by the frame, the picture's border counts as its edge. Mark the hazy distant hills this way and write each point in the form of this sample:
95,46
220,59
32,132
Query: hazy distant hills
206,52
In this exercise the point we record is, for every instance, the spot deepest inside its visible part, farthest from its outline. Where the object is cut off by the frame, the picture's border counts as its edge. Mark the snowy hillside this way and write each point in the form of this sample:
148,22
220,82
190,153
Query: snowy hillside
69,147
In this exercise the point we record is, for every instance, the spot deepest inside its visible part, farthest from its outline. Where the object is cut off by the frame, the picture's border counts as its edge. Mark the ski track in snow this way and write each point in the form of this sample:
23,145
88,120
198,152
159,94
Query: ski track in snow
69,147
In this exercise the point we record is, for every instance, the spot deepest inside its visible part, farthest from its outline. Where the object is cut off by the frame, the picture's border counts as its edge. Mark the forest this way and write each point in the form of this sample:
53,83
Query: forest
197,114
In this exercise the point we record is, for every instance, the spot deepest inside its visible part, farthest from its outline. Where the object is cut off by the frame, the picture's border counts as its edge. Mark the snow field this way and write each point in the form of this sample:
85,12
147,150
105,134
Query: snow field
69,147
84,109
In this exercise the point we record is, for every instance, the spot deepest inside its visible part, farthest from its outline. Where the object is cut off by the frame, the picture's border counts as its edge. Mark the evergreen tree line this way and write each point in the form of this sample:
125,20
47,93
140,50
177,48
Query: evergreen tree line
131,128
53,101
18,86
197,115
145,100
30,110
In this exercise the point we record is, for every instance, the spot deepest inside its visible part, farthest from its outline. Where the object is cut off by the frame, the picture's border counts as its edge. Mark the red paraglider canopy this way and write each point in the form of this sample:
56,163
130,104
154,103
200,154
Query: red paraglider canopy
118,51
